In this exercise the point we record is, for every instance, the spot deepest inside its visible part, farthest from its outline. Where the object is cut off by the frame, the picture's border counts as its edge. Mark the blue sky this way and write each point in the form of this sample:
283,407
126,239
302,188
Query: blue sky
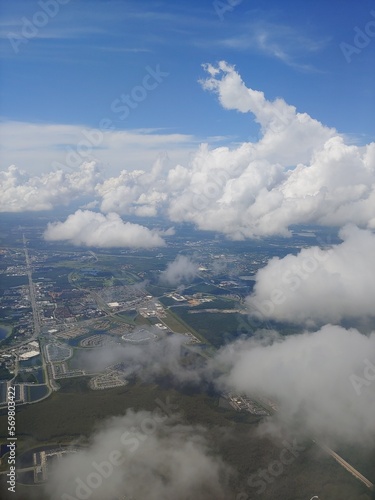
93,51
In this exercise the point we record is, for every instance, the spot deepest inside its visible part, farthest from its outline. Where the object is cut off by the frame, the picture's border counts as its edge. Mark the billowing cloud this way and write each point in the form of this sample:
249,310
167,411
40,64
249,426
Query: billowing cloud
182,270
142,455
97,230
299,172
319,285
323,382
20,192
138,192
288,138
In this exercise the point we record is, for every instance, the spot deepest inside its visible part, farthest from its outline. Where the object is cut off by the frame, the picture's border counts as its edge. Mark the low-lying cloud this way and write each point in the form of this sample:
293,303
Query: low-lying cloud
324,382
182,270
142,455
319,285
21,192
149,360
93,229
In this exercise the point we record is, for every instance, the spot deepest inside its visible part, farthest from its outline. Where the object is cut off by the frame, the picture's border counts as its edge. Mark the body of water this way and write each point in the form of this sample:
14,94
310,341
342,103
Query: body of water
4,332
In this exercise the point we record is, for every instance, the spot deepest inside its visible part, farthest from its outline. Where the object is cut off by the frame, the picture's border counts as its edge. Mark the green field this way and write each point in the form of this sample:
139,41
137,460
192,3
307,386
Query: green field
216,328
178,325
217,303
128,316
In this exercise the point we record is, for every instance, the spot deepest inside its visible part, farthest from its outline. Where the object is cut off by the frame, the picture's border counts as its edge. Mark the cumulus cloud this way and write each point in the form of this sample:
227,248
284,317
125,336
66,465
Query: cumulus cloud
319,285
142,455
138,192
94,229
21,192
288,137
298,172
324,382
182,270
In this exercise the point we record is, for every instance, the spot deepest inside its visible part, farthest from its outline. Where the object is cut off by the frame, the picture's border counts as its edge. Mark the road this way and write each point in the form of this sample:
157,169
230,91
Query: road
345,464
32,293
36,318
338,459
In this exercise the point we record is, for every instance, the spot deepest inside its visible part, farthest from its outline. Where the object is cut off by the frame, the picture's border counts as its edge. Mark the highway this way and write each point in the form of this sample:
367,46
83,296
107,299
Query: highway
51,385
34,308
338,459
32,293
345,464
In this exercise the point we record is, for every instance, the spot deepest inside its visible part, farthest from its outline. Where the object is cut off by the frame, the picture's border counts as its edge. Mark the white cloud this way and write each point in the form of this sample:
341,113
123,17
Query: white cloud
182,270
155,358
40,148
253,191
94,229
319,285
281,124
299,171
324,381
138,191
20,192
142,455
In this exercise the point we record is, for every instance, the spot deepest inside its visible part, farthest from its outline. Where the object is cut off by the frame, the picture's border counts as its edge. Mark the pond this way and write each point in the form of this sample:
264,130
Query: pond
5,331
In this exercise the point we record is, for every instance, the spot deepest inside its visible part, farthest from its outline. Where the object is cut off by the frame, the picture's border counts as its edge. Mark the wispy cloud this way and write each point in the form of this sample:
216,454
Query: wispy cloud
51,32
114,19
123,49
36,147
275,40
